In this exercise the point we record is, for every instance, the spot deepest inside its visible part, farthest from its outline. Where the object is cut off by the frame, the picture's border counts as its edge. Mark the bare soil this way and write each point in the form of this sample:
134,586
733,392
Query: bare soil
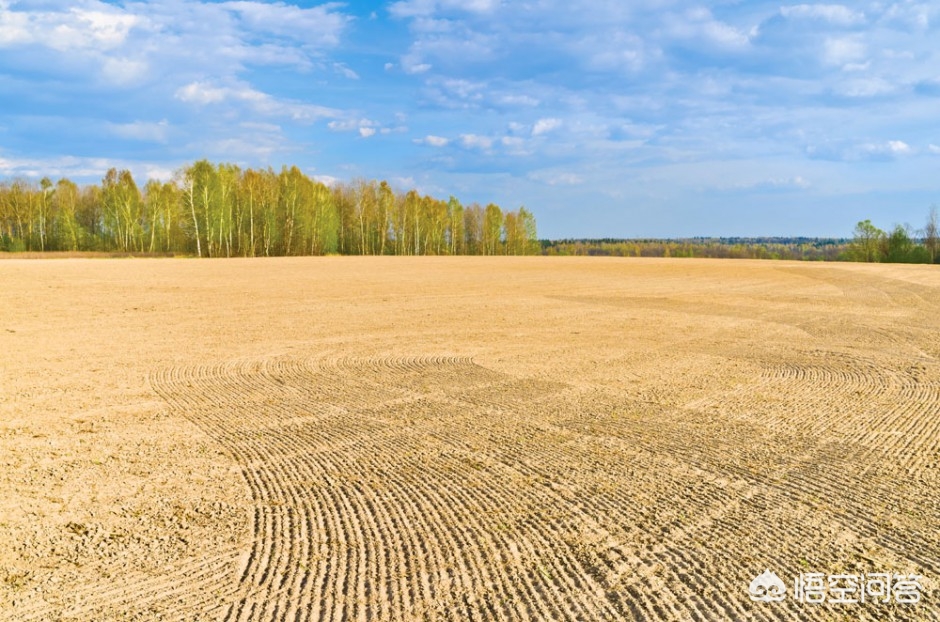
463,438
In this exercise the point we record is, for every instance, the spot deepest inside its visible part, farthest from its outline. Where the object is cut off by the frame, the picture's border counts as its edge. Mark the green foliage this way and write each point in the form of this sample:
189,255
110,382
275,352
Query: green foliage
898,247
868,244
219,210
932,236
804,249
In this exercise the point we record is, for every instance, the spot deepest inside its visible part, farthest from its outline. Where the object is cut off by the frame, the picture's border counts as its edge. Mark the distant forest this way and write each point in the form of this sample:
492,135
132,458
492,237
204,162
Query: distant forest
870,244
221,210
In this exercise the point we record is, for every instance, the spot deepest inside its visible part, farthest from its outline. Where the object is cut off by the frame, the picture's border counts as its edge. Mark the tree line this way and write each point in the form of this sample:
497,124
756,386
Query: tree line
221,210
901,245
801,248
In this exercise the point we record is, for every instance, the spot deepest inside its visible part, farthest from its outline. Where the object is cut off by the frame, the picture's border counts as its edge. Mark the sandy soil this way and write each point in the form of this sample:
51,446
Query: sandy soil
463,438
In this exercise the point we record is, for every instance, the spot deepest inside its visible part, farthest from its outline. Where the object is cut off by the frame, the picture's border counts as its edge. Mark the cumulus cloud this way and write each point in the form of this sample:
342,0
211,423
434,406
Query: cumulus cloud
202,93
366,128
475,141
898,147
76,29
433,141
319,26
544,126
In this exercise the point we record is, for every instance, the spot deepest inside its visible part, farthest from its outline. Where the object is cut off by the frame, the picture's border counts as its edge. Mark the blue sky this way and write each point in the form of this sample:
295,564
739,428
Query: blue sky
605,118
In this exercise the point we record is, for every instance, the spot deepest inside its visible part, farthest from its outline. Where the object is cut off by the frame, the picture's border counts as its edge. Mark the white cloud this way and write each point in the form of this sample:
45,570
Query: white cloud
515,145
343,70
124,71
475,141
620,50
839,51
519,100
176,36
79,29
837,14
700,24
426,8
318,26
456,93
544,126
898,147
797,182
934,149
81,168
865,87
100,29
364,127
142,130
203,93
327,180
556,178
413,63
433,141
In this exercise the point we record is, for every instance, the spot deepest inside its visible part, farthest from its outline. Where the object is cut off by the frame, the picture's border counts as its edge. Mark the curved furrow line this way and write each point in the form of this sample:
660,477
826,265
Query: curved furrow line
585,504
533,500
423,511
409,508
589,507
448,498
530,541
911,429
852,512
392,531
838,401
265,554
800,488
346,468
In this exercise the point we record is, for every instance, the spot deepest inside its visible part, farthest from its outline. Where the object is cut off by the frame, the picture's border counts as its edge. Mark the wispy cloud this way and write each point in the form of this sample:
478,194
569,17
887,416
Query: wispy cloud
207,93
142,130
836,14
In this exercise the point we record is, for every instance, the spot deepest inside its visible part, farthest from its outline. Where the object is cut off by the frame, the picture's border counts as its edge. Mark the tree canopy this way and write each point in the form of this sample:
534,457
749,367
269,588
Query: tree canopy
221,210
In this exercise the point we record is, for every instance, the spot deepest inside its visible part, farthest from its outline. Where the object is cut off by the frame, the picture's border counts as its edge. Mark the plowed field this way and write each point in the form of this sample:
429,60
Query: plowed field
464,438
